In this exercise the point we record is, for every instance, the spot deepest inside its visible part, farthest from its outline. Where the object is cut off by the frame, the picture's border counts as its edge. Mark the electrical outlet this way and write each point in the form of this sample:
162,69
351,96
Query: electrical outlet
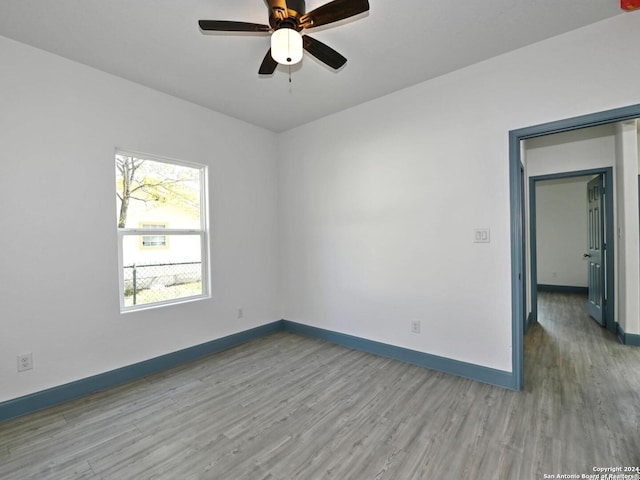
415,326
25,362
240,312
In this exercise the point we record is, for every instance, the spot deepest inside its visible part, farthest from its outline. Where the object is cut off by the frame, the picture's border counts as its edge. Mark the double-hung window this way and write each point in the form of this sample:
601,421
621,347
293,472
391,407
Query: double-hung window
161,221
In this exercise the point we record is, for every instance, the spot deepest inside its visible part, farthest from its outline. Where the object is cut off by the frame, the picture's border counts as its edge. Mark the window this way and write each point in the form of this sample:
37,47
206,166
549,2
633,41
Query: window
160,268
153,241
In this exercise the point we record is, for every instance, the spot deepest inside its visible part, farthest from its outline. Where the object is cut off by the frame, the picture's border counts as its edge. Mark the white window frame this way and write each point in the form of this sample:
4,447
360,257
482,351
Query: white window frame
203,232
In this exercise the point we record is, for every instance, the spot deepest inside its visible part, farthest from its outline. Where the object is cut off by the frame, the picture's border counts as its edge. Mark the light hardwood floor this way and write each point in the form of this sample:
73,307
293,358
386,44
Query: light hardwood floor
287,407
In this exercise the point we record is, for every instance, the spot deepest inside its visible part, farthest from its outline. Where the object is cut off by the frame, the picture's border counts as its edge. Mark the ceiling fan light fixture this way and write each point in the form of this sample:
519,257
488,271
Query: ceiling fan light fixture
286,46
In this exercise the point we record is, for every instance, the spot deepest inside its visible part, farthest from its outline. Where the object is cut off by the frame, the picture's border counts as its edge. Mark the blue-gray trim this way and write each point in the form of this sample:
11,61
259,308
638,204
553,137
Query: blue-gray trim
517,268
628,338
479,373
96,383
533,248
103,381
544,287
515,198
530,321
526,316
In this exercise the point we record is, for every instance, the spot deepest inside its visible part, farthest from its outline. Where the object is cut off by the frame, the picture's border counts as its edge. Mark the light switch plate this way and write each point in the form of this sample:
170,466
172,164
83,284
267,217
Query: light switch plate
481,235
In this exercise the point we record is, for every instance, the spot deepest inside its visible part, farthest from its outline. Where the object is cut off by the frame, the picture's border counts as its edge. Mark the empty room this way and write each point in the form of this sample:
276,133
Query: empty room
349,239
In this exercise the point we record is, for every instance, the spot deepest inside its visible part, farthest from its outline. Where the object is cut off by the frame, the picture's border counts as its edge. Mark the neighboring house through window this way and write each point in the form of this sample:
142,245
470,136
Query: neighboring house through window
154,193
153,241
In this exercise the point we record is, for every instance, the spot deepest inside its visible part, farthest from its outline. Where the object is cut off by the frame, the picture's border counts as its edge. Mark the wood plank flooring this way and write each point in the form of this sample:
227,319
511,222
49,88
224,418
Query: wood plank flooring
287,407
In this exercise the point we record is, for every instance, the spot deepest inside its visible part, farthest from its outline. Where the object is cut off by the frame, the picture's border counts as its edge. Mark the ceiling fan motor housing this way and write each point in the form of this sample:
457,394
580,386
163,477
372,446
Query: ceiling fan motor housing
286,14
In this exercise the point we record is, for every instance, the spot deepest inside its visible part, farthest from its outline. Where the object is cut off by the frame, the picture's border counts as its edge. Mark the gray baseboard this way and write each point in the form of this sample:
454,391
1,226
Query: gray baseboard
479,373
70,391
628,338
103,381
543,287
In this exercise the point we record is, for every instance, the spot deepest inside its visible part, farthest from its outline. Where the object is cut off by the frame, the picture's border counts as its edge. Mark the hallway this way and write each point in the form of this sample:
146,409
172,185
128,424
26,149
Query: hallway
586,385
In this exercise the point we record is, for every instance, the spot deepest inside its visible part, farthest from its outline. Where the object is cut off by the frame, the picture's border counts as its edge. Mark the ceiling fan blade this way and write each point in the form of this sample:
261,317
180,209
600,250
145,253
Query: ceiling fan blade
333,12
230,26
323,52
268,65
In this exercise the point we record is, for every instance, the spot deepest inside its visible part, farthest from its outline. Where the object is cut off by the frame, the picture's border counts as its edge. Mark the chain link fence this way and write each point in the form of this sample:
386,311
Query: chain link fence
160,282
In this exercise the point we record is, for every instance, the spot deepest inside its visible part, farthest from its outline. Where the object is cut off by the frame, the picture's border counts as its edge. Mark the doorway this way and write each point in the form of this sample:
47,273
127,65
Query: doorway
518,296
600,286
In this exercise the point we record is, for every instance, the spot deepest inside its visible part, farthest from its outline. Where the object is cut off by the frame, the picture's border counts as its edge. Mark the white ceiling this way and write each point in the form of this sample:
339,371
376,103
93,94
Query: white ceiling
396,44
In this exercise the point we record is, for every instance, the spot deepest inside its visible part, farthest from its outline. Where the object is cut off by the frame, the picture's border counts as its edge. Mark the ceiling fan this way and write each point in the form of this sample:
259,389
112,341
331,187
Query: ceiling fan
287,18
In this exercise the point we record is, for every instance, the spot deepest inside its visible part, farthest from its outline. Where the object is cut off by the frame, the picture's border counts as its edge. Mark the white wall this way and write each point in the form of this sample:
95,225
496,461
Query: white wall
371,228
583,149
576,150
379,206
628,226
561,232
60,123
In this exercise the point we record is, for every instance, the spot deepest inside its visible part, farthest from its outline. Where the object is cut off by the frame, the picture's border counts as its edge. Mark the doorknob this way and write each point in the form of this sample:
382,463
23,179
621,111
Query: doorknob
587,255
